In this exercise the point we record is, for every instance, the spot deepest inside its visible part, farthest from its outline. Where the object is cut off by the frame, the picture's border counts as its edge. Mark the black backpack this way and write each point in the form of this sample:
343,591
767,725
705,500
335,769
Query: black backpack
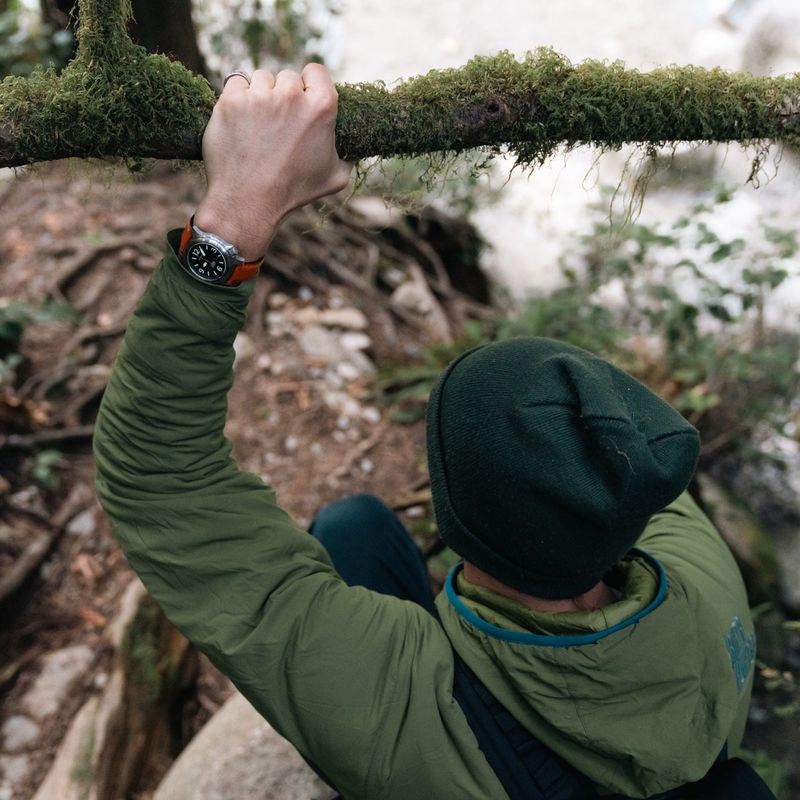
528,770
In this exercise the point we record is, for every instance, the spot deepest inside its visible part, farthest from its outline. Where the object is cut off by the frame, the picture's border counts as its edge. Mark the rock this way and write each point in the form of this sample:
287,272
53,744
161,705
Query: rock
278,300
348,318
742,532
121,733
12,770
69,777
412,296
60,670
128,609
316,342
291,443
319,343
83,524
347,372
416,297
18,732
772,491
371,414
238,756
305,316
243,348
353,340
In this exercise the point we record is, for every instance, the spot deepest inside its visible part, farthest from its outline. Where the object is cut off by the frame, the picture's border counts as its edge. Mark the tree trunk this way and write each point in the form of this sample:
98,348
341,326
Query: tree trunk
167,27
160,26
115,100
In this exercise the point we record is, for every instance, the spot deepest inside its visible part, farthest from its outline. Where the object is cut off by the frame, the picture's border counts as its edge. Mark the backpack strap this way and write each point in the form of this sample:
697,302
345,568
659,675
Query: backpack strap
731,780
527,769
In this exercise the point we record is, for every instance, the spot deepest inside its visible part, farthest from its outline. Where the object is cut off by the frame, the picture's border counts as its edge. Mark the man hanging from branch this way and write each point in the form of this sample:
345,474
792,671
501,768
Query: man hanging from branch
595,640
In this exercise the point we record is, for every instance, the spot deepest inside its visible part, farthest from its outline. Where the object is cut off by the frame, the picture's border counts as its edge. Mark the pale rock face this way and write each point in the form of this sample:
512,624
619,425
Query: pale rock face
238,756
60,671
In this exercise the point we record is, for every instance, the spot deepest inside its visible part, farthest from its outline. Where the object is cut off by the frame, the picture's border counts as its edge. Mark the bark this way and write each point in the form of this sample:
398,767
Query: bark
159,27
115,100
167,27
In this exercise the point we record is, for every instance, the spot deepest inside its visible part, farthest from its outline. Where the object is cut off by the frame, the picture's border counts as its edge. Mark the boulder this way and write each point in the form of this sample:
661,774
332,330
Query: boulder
238,756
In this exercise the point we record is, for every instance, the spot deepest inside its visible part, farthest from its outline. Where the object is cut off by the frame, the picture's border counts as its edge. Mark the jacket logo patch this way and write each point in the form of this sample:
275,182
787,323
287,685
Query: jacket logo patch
741,647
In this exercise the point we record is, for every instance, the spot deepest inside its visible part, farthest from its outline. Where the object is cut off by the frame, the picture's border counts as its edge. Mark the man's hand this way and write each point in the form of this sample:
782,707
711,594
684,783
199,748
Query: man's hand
269,148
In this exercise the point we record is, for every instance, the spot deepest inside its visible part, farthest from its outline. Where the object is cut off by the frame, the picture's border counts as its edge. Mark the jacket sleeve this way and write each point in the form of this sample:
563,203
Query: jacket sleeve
337,670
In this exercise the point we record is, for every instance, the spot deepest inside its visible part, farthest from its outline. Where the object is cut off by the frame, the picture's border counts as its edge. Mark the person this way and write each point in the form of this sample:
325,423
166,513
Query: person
597,610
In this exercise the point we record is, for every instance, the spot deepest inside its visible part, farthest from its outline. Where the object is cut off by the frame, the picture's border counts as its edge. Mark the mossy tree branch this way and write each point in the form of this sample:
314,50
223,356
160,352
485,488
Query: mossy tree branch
115,99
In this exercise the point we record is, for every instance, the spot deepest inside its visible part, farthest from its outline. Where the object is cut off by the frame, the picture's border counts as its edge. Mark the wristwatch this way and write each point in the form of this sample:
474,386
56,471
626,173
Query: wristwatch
210,259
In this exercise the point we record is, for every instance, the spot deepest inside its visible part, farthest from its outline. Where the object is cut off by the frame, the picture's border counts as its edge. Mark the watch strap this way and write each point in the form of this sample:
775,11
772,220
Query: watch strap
243,271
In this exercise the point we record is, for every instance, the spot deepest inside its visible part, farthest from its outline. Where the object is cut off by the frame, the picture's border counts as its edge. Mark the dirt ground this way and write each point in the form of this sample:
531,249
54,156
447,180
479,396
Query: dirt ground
92,240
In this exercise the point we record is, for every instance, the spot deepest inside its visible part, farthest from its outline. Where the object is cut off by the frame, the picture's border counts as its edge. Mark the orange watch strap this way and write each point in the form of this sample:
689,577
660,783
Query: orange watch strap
243,271
186,235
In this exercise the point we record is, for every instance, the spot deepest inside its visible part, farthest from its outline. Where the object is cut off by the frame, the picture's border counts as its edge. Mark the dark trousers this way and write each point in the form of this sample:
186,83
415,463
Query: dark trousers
369,546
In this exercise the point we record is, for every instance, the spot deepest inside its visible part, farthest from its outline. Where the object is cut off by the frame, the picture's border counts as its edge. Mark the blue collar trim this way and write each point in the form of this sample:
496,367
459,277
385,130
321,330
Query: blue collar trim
542,640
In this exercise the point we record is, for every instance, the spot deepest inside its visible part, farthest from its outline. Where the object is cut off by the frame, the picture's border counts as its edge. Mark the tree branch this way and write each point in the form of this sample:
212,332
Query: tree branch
114,99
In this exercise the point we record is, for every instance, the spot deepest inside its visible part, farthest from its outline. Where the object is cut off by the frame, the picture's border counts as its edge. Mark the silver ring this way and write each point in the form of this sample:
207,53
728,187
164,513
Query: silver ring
236,72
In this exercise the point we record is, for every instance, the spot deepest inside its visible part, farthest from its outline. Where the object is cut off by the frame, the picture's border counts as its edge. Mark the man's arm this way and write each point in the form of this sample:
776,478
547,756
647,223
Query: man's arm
340,671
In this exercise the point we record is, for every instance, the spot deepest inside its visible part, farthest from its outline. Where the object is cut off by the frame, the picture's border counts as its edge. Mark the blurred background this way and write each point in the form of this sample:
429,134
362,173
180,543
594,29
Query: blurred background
682,266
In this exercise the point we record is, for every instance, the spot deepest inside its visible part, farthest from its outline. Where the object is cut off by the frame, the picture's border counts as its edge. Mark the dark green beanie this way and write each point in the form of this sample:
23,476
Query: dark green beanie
546,463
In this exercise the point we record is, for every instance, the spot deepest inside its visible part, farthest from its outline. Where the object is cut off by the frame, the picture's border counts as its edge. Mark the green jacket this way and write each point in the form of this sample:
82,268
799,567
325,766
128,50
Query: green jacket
640,696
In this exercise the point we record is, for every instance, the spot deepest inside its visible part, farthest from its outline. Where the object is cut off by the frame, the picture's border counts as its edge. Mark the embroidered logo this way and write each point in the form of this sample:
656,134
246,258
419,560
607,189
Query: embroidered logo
741,647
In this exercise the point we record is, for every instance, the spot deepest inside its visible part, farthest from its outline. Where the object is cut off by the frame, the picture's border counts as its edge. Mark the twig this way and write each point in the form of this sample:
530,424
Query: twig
29,441
416,497
360,450
25,564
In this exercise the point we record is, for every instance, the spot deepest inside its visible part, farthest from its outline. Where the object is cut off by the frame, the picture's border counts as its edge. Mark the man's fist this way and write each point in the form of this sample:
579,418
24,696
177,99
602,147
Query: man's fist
269,148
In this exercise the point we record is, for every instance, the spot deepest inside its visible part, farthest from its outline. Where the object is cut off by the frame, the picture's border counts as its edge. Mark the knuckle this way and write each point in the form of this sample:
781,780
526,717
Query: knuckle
292,92
326,103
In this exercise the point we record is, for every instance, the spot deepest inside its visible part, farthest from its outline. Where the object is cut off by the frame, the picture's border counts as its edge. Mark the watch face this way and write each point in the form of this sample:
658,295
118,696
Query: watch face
206,262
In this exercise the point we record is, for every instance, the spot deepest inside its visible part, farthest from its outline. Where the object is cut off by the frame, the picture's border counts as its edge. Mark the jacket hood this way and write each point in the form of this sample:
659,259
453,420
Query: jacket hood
637,696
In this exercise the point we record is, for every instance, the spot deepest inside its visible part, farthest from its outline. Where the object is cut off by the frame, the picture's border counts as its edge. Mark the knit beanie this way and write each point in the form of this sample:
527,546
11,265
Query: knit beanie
546,463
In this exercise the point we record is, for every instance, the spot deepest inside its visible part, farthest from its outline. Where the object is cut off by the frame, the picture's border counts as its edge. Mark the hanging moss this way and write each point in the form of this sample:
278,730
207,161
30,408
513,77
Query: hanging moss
535,105
116,99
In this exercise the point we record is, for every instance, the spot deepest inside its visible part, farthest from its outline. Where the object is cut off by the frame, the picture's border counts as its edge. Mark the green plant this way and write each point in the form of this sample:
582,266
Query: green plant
15,316
44,468
676,304
26,42
273,33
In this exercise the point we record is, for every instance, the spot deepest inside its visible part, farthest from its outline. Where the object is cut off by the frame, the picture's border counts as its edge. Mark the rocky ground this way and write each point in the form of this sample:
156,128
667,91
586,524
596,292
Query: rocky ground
99,693
344,292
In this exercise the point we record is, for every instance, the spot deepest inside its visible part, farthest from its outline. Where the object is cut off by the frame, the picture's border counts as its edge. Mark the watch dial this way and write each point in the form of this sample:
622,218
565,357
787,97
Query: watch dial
206,261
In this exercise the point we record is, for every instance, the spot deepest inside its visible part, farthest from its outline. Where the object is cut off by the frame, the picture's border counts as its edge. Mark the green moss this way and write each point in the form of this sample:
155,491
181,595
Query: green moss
137,105
83,769
535,105
115,99
141,651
